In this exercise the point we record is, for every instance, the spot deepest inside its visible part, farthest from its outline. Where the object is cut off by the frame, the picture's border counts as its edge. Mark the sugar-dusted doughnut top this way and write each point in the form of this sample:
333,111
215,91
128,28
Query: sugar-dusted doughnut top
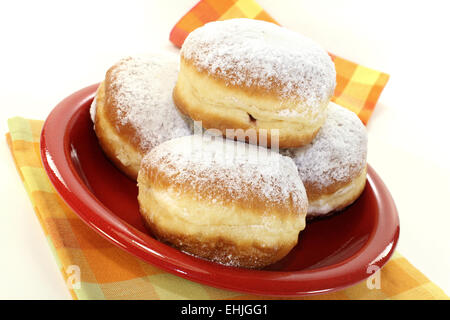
337,154
214,169
257,54
139,96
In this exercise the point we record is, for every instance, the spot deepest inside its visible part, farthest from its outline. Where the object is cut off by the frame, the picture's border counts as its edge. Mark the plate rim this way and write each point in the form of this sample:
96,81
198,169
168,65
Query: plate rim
80,199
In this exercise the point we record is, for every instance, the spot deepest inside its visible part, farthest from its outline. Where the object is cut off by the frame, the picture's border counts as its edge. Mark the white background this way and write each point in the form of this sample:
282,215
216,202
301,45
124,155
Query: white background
49,49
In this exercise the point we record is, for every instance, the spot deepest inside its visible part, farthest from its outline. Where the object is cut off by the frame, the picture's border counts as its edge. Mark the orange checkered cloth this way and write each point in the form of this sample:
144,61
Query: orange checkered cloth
107,272
358,87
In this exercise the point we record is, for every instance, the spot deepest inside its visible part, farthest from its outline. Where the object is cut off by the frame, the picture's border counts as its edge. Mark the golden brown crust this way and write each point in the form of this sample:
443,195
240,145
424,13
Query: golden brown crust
353,197
116,146
220,106
218,249
223,124
316,190
254,90
151,175
270,183
329,203
112,115
238,242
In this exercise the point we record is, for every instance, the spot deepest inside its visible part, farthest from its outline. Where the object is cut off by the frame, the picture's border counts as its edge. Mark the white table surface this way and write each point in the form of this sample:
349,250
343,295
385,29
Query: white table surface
50,49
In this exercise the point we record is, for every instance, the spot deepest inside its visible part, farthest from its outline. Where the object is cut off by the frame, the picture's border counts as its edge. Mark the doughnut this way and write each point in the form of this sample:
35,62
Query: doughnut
333,167
222,200
257,77
133,110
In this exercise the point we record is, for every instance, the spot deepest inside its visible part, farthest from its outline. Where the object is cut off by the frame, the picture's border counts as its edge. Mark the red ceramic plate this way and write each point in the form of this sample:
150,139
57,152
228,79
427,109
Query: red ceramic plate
332,253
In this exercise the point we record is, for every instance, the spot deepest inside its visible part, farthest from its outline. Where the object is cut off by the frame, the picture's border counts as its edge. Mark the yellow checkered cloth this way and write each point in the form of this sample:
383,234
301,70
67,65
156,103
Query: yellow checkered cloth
108,272
358,87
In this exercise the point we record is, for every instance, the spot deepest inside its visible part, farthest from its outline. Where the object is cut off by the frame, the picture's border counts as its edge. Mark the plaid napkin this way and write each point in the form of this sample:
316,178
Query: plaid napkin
106,272
358,87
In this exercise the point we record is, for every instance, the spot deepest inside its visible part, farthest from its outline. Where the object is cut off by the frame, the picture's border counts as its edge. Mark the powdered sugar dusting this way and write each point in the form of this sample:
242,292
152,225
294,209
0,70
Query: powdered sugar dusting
219,167
143,91
337,153
248,52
